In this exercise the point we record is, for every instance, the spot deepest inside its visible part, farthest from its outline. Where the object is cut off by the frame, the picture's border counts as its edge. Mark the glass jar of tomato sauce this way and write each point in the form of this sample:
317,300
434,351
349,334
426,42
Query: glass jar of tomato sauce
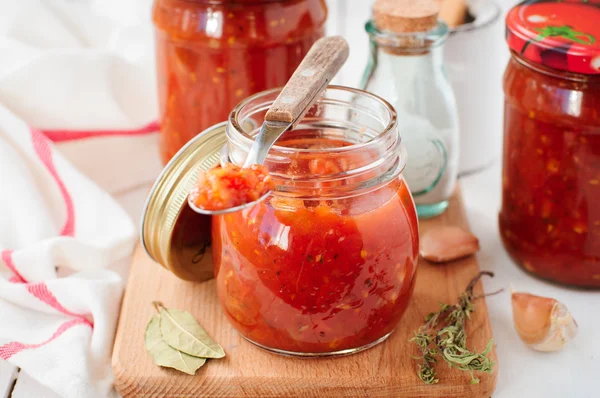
326,264
211,54
550,216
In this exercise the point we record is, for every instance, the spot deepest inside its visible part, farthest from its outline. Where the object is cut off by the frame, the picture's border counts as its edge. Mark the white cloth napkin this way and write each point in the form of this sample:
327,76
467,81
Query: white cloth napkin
77,105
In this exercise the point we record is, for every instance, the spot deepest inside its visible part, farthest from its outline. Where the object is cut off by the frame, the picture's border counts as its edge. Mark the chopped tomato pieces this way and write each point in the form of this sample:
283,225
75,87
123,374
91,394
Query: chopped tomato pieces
550,217
210,55
222,188
318,274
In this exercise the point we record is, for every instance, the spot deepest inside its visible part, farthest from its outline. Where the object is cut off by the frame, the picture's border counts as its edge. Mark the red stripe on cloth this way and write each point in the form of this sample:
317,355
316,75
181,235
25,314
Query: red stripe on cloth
7,259
15,347
44,152
72,135
41,291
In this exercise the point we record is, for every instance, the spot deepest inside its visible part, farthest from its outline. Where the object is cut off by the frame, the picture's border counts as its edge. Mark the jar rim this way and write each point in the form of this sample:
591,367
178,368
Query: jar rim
392,124
382,154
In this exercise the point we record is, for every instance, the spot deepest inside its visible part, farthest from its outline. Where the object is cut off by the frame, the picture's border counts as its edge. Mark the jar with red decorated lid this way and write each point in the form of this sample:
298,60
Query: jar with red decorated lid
550,215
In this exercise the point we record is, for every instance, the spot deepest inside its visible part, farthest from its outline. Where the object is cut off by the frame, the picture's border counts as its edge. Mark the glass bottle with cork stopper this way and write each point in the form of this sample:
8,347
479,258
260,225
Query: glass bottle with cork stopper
406,68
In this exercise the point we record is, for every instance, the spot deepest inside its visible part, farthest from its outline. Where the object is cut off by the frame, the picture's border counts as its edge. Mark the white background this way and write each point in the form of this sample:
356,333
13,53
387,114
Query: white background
522,373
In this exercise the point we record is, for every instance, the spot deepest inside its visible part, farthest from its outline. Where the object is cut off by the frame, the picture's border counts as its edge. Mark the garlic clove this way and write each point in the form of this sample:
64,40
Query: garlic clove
532,315
544,324
449,243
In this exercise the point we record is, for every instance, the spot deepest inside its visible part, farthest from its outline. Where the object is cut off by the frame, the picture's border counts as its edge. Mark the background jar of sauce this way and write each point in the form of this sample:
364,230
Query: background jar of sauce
550,216
326,264
211,54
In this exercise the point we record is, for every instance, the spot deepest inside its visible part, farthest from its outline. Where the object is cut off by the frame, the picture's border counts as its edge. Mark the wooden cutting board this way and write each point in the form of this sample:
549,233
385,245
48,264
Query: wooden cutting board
248,371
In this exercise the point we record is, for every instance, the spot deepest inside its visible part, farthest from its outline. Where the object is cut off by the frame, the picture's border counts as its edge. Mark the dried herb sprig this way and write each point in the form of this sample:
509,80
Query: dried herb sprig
451,340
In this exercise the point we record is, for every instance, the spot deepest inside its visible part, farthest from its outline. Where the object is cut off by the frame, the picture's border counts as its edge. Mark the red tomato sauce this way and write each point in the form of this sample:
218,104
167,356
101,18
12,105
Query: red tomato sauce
319,275
230,186
550,217
212,54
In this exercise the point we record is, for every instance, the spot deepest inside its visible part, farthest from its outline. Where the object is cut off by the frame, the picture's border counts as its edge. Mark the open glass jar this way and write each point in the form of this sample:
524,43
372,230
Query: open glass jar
550,216
211,54
326,264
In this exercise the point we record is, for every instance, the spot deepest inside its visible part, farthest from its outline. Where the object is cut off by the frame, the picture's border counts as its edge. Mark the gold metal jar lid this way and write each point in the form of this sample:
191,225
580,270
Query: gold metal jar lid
172,234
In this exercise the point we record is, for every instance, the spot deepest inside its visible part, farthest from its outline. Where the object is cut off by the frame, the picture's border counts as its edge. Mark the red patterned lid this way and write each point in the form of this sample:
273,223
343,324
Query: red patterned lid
562,35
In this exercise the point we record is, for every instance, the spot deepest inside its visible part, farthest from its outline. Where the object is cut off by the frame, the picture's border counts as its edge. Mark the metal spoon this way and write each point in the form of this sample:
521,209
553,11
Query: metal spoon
321,64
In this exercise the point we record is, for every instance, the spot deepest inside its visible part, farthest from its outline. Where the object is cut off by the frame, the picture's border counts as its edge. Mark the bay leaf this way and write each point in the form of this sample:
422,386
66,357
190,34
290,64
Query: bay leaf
164,354
181,331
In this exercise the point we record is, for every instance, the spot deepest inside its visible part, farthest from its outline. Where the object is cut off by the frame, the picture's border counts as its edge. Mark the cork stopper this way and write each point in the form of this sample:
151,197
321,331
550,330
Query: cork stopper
406,16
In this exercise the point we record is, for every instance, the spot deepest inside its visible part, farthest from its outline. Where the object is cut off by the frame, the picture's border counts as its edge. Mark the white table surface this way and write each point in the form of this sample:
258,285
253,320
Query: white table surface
522,372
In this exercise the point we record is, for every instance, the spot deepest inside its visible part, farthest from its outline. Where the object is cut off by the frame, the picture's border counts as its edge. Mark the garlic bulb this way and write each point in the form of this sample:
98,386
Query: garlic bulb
544,324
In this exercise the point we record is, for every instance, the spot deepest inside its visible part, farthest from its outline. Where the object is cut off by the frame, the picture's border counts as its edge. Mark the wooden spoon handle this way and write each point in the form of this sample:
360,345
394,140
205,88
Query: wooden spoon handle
320,65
